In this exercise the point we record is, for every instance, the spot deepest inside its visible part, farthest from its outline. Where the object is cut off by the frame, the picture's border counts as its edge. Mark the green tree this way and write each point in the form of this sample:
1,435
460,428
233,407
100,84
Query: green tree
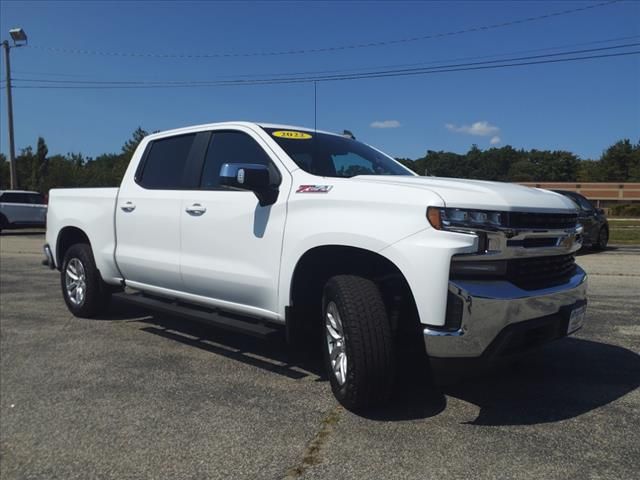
128,149
39,166
24,166
621,162
522,171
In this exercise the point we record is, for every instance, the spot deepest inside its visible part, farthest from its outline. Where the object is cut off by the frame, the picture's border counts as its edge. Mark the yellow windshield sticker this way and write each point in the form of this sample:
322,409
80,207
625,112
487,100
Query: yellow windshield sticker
291,134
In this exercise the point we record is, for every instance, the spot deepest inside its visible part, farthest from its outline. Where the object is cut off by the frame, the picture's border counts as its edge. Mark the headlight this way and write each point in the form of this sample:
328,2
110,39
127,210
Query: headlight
461,218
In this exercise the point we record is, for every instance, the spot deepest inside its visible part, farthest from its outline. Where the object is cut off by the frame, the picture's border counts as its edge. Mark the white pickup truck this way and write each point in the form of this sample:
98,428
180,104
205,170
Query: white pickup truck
256,226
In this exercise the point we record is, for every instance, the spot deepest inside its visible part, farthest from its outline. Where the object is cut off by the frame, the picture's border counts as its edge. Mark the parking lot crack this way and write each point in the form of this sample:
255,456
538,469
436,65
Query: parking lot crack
313,452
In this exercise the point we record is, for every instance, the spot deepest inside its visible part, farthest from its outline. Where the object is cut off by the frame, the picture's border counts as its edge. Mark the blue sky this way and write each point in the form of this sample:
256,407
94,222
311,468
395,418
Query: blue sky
579,106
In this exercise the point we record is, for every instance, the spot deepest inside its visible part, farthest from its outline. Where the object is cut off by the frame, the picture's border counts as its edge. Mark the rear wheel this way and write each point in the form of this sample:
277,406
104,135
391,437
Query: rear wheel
358,346
603,239
83,290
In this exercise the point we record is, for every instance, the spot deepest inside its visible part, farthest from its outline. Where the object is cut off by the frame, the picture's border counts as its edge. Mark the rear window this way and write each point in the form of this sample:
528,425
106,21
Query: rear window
165,162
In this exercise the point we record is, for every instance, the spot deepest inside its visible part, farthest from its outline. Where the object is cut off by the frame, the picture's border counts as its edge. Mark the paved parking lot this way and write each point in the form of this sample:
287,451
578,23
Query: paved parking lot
134,395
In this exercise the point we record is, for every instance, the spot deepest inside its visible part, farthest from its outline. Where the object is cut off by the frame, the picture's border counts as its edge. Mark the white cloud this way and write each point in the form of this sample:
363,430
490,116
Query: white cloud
480,129
385,124
494,140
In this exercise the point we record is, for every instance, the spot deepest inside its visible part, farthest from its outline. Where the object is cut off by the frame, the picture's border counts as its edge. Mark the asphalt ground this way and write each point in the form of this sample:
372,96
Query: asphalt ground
136,395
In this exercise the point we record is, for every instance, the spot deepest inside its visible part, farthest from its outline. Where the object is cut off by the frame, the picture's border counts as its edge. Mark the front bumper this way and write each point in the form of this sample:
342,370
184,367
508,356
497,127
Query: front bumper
499,317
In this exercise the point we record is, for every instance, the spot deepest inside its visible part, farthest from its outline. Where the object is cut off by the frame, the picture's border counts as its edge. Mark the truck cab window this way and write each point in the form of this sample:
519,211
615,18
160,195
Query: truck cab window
328,155
165,162
232,147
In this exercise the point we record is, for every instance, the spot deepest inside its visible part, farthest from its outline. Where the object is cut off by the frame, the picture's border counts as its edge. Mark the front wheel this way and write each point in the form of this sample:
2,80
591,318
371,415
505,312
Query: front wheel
83,290
358,346
603,239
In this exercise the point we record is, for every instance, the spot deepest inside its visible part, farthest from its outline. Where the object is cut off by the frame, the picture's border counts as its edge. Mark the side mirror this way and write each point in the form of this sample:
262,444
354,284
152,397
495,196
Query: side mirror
249,176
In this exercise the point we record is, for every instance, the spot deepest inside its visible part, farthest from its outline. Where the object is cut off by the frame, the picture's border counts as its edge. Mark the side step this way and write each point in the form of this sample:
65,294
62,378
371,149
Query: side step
234,323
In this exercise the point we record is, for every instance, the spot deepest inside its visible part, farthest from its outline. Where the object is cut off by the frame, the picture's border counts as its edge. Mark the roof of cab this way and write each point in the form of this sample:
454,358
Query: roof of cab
204,126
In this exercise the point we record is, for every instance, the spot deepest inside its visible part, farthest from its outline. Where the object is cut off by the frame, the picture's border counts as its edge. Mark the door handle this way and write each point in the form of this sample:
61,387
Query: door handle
128,207
196,210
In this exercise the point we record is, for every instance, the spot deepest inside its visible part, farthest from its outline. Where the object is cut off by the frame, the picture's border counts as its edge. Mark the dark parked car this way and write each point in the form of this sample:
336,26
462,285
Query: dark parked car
594,221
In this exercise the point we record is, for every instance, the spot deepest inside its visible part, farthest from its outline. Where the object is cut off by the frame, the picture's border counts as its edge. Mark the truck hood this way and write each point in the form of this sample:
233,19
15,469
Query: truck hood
480,194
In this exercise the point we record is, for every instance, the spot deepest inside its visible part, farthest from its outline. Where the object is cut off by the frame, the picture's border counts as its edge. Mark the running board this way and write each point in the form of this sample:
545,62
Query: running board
234,323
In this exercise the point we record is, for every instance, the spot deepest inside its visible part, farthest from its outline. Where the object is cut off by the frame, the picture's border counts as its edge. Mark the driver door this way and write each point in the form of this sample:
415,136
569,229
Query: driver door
230,245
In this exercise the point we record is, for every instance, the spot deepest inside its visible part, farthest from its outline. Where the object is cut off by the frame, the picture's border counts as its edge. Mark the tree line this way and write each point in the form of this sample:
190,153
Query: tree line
618,163
39,171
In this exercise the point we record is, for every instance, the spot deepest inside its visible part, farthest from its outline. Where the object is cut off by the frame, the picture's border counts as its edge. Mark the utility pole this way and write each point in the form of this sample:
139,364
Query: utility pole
12,148
17,35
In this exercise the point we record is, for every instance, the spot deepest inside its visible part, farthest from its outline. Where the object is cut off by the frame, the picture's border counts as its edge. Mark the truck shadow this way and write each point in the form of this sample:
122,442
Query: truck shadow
563,380
270,354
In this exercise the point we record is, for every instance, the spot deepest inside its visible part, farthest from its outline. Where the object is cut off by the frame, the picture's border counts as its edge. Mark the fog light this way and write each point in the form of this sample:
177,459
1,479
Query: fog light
478,269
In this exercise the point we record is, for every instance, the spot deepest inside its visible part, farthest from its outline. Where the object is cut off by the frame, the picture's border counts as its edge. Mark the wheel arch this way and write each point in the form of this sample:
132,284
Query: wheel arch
314,268
67,237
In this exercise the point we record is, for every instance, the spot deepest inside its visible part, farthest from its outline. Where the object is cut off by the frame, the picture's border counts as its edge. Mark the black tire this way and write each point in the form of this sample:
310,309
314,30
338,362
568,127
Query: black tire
96,294
603,239
368,343
4,223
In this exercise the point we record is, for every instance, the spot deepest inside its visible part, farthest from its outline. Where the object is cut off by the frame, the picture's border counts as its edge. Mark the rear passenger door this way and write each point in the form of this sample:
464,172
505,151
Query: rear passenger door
36,209
231,245
148,214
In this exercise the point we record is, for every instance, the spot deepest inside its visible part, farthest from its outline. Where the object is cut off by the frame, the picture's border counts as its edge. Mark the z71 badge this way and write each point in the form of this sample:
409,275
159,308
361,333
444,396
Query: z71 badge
314,188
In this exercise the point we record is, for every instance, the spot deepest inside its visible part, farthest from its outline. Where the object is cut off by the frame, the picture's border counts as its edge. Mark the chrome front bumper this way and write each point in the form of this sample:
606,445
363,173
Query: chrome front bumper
492,307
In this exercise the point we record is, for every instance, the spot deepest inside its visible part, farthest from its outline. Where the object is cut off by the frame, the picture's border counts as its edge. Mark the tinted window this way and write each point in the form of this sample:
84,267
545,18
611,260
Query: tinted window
10,198
232,147
351,164
32,198
334,156
165,162
583,202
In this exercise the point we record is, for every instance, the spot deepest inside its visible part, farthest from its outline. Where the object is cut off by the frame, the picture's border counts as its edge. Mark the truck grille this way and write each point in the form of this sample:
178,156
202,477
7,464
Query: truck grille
540,272
546,221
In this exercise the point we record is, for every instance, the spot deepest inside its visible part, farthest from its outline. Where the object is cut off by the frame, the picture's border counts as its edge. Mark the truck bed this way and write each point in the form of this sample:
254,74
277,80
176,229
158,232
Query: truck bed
91,210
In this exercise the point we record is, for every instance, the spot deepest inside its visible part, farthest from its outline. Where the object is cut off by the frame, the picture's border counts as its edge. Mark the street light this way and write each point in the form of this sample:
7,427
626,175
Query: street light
19,38
18,35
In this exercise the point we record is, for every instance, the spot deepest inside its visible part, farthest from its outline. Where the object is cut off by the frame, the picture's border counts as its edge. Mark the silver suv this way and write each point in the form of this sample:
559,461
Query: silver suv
22,209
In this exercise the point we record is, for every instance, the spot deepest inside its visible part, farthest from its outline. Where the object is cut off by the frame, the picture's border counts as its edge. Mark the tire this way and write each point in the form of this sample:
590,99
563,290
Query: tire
82,302
603,239
355,306
4,223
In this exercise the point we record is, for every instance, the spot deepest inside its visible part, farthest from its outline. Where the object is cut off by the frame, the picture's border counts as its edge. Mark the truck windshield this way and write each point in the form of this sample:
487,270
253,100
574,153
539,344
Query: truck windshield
329,155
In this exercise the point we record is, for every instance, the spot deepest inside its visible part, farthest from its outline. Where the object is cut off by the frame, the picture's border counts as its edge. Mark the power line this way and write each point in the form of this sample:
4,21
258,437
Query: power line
345,71
385,70
442,69
382,43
